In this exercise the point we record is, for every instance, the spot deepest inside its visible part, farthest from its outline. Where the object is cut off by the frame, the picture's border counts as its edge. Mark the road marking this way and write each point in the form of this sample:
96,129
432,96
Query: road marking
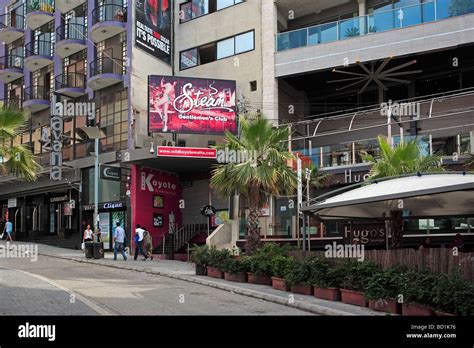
79,297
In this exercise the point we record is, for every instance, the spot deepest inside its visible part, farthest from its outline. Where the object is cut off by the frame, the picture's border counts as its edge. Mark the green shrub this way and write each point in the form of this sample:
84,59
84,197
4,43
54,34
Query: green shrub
418,287
299,273
387,283
326,275
281,265
454,294
235,266
217,258
358,274
261,262
200,255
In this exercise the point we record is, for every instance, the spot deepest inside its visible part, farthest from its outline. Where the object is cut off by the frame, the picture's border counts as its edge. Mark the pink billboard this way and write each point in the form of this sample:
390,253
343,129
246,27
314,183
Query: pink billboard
191,105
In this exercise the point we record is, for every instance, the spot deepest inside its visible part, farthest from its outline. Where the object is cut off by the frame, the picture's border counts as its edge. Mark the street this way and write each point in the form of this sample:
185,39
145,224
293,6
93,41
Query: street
58,287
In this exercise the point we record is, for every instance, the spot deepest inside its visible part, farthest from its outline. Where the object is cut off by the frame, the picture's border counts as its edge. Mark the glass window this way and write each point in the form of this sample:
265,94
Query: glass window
224,3
189,59
244,42
200,8
225,48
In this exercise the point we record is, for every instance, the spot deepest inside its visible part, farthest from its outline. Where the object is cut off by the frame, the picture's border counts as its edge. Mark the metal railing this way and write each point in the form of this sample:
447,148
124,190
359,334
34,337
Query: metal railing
373,23
37,92
109,12
71,31
107,65
11,61
13,103
12,20
40,48
70,80
181,237
39,5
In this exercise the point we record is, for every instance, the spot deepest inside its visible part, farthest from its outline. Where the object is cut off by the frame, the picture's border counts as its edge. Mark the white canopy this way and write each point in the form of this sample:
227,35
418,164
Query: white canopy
419,195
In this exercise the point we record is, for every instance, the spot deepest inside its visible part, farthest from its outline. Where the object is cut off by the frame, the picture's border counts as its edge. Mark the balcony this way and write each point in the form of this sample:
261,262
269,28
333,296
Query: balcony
39,54
71,84
428,26
64,6
107,21
105,72
39,12
37,98
11,68
12,27
71,38
13,103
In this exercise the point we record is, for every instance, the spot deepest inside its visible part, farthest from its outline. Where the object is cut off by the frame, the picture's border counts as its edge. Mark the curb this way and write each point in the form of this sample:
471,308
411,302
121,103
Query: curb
311,308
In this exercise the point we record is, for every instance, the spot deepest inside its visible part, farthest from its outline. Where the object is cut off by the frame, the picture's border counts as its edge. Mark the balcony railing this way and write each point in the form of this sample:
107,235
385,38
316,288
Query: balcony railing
37,92
109,12
11,61
40,5
106,65
13,103
71,80
40,48
71,31
12,20
373,23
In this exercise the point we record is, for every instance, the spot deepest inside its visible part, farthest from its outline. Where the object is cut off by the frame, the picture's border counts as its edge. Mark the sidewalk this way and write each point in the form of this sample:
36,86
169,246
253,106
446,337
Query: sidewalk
185,271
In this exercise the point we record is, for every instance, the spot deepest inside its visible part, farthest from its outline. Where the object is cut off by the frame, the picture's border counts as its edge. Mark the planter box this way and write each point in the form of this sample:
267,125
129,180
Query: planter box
259,279
330,294
200,269
215,273
444,314
279,284
240,278
353,297
387,305
302,289
417,310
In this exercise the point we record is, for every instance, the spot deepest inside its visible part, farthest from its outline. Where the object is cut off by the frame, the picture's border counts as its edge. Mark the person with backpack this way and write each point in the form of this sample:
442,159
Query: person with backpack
119,240
138,239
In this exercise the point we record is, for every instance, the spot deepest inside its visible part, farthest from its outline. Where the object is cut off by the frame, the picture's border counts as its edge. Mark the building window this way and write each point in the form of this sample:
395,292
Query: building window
113,117
211,52
253,86
198,8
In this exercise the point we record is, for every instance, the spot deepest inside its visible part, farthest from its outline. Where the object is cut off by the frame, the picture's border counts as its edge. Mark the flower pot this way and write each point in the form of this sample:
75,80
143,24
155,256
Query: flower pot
444,314
200,269
356,298
330,294
240,278
215,272
259,279
416,310
302,289
279,284
388,305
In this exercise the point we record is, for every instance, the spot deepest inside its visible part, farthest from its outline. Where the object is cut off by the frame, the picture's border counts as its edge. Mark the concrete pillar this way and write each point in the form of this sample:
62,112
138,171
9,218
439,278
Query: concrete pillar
269,83
362,12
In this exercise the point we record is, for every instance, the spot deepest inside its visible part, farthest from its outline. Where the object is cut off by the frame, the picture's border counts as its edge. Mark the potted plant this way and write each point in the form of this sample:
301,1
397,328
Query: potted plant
453,295
299,278
280,266
217,258
417,293
355,282
119,15
235,270
200,256
260,263
327,281
384,289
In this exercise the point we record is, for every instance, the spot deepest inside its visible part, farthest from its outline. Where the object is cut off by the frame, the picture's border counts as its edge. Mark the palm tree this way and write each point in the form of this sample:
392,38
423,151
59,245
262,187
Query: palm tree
403,159
265,171
15,159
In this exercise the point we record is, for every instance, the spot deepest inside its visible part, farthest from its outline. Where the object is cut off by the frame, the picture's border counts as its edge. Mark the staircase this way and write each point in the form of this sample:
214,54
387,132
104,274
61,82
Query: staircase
181,238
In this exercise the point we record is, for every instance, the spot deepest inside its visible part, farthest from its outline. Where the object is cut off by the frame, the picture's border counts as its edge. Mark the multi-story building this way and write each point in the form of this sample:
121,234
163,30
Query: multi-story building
325,67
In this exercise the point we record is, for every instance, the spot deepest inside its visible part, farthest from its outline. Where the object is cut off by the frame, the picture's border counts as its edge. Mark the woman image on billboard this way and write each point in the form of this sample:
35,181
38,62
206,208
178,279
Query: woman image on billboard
163,102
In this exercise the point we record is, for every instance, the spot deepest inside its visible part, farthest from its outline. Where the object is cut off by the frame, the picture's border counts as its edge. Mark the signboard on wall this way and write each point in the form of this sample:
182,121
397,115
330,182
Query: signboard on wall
153,28
365,233
57,114
191,105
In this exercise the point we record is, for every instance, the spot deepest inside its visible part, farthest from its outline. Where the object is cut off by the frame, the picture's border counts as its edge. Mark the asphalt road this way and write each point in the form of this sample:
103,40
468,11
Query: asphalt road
57,287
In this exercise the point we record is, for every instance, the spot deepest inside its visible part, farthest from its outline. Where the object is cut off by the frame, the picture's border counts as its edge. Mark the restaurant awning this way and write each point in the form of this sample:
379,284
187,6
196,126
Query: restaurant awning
427,195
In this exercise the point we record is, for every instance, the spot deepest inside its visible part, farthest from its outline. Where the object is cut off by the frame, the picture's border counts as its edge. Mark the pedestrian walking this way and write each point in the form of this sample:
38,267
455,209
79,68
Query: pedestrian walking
119,240
8,228
138,238
148,243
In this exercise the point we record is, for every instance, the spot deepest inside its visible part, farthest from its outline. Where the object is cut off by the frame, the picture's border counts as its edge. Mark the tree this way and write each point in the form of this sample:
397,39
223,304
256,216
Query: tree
263,169
403,159
15,159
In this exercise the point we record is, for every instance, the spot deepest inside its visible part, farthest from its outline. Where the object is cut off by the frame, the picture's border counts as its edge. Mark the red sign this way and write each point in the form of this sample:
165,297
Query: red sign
194,152
191,105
